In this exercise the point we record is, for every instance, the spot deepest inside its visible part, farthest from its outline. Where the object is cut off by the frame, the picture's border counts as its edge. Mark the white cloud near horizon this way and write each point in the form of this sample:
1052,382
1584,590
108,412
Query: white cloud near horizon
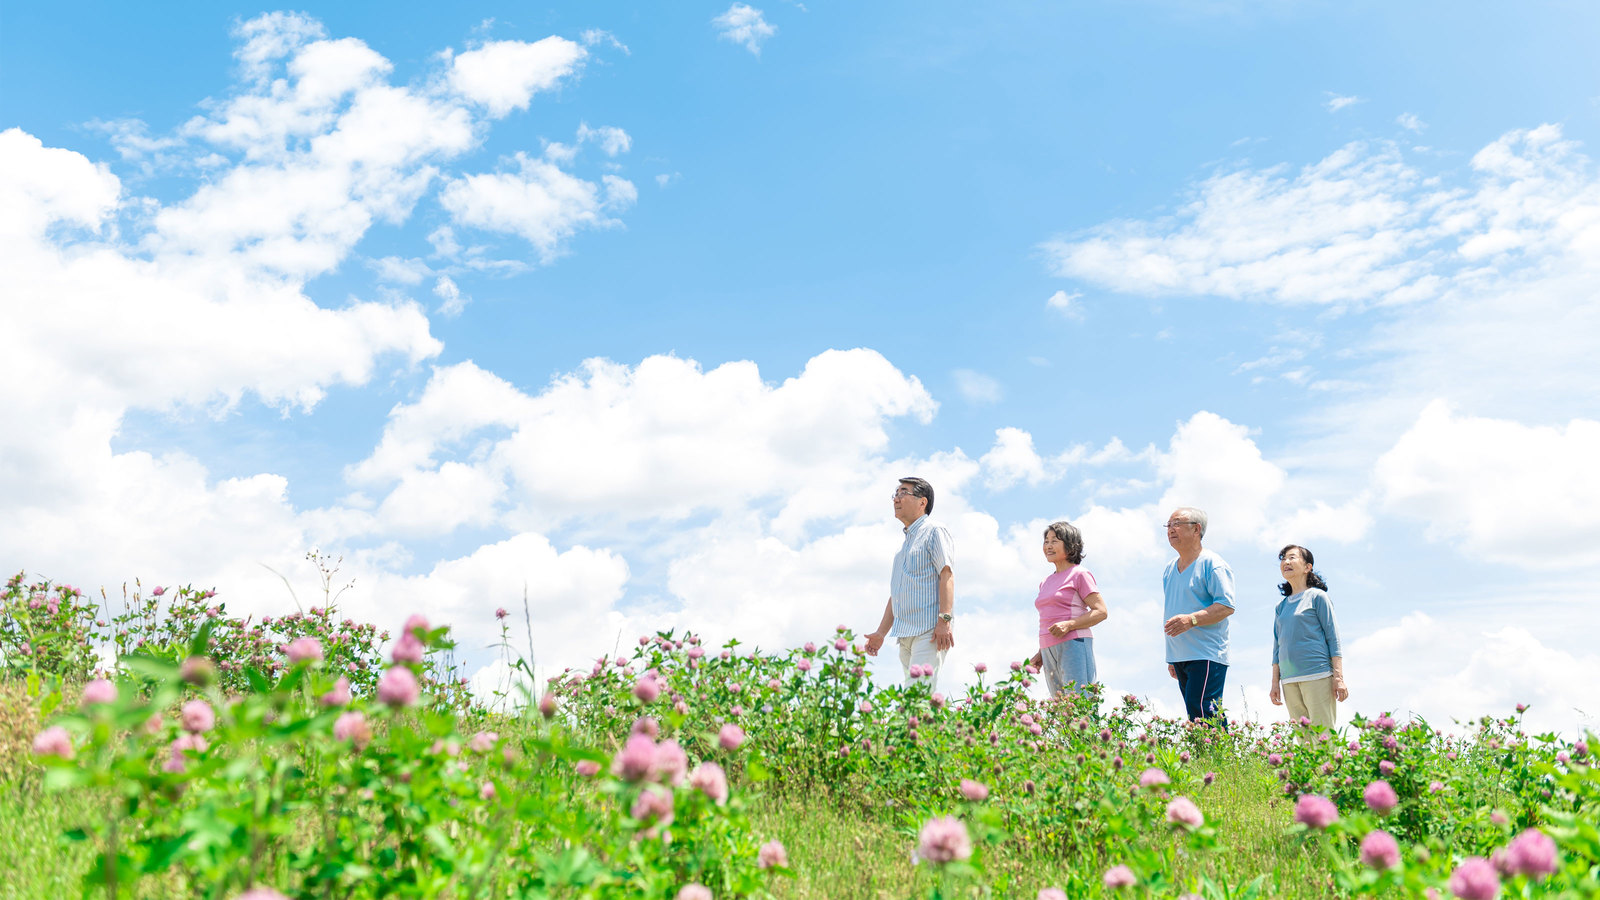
744,24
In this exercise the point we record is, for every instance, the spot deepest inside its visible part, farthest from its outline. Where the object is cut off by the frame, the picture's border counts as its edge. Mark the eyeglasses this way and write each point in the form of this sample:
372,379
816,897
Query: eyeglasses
1172,525
902,492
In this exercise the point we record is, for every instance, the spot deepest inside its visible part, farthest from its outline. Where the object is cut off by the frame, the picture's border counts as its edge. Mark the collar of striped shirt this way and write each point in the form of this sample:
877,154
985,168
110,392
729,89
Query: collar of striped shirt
920,522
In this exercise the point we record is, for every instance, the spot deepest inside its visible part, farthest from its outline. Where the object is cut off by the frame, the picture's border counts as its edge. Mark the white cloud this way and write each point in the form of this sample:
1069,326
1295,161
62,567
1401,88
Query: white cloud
453,300
399,270
1337,102
1213,464
976,387
1506,491
1359,227
660,440
1410,122
612,140
504,75
538,201
120,305
667,178
1458,667
744,25
594,36
1066,304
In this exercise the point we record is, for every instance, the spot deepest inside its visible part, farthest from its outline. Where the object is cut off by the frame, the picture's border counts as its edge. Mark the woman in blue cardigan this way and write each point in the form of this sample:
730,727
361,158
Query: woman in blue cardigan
1307,660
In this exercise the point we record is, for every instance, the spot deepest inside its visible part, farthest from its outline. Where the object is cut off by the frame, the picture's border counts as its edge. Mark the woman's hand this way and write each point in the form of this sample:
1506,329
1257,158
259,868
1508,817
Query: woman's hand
1062,629
1276,694
1340,692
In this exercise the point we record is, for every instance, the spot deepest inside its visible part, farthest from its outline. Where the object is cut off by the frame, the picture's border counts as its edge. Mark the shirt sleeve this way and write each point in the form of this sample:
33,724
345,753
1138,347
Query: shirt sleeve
941,549
1330,624
1274,637
1219,583
1085,582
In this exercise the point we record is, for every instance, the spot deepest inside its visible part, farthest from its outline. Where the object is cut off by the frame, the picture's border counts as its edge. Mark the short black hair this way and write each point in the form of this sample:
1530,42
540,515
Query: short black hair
1070,537
1313,580
921,488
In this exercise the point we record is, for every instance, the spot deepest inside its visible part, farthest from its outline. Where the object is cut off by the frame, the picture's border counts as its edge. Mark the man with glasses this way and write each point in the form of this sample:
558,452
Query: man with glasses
922,589
1199,589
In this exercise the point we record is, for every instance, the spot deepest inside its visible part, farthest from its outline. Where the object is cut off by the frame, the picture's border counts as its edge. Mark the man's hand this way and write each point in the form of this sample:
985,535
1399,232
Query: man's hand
1275,694
1173,671
1038,660
1062,629
1177,625
874,643
943,637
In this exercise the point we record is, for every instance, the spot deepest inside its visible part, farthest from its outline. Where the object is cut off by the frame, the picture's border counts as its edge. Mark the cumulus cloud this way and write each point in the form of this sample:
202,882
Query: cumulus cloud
1505,491
505,75
188,306
538,201
1410,122
745,25
660,440
1457,668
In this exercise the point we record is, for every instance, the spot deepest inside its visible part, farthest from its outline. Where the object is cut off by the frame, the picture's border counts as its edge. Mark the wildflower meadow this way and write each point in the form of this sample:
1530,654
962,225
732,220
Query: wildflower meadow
166,748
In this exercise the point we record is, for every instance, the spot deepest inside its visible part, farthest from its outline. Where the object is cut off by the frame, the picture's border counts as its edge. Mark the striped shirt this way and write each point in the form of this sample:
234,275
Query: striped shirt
914,583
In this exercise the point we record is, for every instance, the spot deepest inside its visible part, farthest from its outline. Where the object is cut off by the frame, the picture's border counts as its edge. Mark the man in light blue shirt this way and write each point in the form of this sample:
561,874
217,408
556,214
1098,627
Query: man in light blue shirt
922,587
1199,600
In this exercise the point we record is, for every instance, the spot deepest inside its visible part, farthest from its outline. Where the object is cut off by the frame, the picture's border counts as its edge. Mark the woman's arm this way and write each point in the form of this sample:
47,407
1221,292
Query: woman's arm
1092,616
1340,692
1276,692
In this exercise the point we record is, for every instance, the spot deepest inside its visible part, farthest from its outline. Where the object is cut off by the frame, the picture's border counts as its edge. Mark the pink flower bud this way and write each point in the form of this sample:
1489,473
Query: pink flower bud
197,716
974,790
1119,877
1380,797
1182,811
99,691
398,687
730,737
53,741
306,649
1379,851
1315,812
944,840
772,855
352,727
339,695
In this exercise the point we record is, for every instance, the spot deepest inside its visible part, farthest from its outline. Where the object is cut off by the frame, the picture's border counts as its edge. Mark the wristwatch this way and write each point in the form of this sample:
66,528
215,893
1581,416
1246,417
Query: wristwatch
947,617
1194,620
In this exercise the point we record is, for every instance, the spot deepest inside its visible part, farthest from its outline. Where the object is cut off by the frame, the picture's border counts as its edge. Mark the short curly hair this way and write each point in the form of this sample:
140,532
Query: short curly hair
1070,536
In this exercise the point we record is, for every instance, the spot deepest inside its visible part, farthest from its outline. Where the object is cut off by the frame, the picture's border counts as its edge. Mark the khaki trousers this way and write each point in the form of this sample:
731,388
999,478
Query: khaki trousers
1312,700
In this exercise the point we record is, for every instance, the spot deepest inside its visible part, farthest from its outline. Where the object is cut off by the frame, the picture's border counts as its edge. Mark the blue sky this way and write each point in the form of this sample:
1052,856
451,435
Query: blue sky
1325,269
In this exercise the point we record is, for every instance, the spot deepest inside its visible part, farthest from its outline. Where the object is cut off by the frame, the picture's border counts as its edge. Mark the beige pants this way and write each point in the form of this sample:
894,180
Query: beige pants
920,651
1311,700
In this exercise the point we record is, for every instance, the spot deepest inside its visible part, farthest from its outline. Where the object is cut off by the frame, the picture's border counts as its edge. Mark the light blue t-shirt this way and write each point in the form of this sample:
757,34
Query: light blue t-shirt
1208,580
1305,637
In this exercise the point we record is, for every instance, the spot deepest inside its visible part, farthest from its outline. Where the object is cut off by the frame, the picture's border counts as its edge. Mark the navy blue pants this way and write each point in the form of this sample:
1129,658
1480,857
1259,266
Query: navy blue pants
1201,680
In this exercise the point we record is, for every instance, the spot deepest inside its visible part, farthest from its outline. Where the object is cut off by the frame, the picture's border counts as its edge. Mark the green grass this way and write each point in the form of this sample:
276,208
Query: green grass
843,851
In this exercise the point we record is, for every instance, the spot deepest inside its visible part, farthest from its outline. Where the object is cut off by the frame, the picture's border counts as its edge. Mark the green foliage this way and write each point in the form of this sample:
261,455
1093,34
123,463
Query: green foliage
229,755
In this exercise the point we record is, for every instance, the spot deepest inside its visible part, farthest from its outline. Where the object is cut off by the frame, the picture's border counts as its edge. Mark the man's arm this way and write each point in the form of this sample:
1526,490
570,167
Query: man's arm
943,635
875,639
1211,615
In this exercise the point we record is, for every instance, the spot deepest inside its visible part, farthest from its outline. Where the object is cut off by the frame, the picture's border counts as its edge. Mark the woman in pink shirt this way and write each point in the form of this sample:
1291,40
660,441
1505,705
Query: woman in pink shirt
1069,604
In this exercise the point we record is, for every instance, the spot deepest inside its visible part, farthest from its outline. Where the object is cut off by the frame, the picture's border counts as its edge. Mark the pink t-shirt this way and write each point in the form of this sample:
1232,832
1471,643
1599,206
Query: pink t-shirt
1061,598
